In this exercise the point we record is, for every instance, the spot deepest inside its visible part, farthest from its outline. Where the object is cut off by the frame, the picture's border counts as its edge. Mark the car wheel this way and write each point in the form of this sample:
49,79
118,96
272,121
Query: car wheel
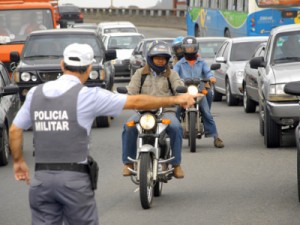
103,121
4,151
217,97
230,99
272,131
248,103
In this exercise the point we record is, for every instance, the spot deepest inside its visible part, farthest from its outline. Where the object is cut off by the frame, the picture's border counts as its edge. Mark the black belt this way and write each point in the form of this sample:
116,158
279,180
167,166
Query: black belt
62,167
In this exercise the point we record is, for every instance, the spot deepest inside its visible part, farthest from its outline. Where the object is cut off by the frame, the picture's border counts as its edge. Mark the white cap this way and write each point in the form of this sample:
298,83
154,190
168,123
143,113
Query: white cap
79,55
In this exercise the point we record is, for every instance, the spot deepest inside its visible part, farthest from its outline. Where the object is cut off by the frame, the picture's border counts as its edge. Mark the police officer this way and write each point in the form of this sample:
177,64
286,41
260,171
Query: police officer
61,113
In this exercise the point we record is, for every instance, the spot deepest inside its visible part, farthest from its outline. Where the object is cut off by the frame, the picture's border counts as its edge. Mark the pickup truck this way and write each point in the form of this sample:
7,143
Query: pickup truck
278,111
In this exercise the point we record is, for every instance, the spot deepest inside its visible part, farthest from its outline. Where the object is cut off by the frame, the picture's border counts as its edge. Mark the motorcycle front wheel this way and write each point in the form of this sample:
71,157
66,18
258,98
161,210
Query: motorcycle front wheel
146,180
192,131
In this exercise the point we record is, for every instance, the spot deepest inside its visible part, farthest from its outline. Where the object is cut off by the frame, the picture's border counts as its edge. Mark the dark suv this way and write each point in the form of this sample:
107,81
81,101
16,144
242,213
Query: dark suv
68,15
43,51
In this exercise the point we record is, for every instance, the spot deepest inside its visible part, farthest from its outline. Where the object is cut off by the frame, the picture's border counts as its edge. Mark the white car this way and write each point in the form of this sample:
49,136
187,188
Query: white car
116,27
123,43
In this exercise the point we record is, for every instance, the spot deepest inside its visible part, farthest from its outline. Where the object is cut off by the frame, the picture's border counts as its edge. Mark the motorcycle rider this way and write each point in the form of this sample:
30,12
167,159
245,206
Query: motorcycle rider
159,80
192,66
177,49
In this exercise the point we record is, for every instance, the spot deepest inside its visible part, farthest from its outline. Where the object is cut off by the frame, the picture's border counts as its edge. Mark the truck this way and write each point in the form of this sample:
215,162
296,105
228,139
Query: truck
18,18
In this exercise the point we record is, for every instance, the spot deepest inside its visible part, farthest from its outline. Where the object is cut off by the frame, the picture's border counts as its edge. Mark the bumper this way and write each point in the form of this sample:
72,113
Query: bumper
284,110
237,89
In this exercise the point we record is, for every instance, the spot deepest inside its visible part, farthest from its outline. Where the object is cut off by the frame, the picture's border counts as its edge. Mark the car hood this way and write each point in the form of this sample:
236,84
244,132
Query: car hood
41,63
284,73
238,65
124,53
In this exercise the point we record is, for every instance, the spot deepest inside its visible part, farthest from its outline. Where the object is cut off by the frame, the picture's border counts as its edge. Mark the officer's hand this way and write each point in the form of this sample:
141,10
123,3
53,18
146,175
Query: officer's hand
213,80
21,171
187,100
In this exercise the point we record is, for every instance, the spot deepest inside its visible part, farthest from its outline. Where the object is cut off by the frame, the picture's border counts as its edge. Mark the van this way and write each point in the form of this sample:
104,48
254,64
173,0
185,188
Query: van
18,18
116,27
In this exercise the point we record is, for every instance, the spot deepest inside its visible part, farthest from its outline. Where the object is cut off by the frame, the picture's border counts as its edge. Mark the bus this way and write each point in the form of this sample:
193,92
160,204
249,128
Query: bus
17,19
236,18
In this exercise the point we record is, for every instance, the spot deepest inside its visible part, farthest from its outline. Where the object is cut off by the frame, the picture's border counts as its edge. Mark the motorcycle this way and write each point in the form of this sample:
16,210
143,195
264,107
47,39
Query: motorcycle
191,119
152,166
293,88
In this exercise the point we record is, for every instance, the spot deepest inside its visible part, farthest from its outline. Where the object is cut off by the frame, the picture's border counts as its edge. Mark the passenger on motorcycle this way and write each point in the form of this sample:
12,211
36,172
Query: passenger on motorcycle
177,49
159,80
192,66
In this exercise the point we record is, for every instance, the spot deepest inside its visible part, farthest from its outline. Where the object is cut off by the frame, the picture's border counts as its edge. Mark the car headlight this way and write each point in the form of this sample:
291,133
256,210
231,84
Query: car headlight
116,61
25,76
192,90
147,121
239,75
93,75
276,93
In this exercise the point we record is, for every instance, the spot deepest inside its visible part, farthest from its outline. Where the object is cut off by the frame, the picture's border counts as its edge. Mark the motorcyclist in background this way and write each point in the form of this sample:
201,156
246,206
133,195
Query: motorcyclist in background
192,66
157,79
177,49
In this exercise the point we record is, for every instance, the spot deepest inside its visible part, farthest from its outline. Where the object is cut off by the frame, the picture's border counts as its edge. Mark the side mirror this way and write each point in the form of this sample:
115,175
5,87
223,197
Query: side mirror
122,90
110,54
14,57
257,62
215,66
220,60
181,89
10,90
292,88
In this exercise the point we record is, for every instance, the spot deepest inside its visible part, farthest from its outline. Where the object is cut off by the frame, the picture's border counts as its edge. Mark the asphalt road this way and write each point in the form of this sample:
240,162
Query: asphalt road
241,184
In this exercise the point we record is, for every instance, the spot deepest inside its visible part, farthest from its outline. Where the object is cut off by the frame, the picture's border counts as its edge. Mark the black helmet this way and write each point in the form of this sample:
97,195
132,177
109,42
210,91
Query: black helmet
190,42
177,47
158,48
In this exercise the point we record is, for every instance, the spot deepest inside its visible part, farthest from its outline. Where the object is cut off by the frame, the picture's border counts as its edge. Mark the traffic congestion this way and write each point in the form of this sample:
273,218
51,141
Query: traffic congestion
86,104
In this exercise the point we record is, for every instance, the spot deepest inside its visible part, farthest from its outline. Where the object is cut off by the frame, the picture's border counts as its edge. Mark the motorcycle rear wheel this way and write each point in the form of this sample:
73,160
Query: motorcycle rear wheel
146,180
192,131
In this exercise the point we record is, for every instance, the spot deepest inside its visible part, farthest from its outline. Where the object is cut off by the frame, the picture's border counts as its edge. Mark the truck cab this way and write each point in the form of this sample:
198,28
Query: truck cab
18,18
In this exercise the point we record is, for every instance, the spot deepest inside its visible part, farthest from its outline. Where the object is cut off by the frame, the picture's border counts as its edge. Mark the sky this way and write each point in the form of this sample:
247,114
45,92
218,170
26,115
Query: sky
116,3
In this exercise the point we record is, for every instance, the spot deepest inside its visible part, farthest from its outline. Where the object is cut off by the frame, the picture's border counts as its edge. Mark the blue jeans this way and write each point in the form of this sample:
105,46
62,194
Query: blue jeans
210,128
130,134
209,97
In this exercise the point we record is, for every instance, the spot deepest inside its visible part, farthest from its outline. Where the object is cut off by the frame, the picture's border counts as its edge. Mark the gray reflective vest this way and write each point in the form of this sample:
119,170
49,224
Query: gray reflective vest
58,138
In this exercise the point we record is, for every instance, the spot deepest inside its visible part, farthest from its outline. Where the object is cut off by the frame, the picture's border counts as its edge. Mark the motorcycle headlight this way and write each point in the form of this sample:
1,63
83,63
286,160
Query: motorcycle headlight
93,75
25,76
147,121
192,90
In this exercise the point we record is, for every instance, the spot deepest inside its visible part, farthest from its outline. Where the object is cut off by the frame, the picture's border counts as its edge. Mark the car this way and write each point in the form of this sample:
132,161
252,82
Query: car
278,111
40,61
139,54
69,14
92,26
9,106
233,56
250,85
123,43
116,27
208,47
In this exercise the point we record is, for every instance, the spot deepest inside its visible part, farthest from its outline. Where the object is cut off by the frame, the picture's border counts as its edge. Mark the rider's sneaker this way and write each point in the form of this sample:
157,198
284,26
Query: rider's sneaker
126,171
178,172
218,143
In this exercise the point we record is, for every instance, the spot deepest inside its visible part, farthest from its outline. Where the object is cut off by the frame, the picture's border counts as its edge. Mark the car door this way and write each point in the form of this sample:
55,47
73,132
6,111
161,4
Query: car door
251,75
222,58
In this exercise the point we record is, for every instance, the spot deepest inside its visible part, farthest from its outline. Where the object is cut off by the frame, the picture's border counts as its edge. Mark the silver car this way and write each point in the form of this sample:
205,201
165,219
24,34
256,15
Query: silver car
278,111
233,56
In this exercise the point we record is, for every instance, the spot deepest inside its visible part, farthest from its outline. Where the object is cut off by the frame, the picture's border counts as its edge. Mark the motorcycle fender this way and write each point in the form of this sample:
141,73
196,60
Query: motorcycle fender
147,148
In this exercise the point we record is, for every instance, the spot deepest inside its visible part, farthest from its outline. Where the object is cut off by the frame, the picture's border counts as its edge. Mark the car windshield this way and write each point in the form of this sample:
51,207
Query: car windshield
119,29
208,49
123,42
38,46
68,8
15,25
286,48
242,51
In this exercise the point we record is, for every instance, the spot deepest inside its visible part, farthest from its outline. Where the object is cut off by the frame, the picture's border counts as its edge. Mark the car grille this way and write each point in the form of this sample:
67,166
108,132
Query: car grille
49,75
126,61
70,16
